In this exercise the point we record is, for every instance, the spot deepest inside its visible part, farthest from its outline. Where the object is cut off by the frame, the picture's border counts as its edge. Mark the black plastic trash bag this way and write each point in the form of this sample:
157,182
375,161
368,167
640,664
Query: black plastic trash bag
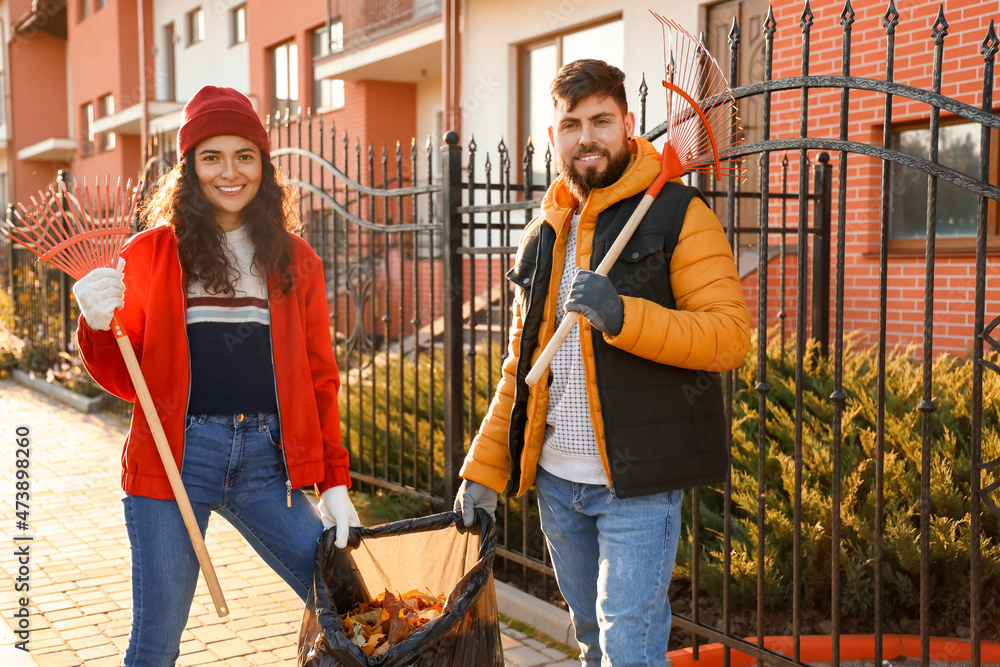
435,554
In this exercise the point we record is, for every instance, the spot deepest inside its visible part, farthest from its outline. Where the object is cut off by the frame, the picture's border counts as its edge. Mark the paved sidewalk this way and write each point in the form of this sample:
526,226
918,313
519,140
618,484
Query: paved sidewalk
80,598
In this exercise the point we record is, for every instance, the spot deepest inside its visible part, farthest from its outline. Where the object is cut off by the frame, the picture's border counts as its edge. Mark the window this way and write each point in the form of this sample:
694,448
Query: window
238,22
285,77
87,129
195,26
540,61
101,4
957,208
107,106
84,9
169,62
328,93
327,40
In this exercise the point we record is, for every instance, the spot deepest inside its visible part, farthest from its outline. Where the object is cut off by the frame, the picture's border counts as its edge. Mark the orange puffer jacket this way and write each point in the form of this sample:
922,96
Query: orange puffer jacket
154,315
709,329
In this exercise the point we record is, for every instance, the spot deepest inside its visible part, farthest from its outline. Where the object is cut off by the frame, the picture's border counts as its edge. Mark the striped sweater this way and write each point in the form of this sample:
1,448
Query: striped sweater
229,340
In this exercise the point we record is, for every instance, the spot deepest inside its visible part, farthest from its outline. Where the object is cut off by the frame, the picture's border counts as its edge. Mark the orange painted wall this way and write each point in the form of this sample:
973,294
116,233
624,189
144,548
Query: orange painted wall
104,56
38,107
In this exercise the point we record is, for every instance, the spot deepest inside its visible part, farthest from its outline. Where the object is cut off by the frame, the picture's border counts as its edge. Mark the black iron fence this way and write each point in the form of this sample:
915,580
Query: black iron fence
415,241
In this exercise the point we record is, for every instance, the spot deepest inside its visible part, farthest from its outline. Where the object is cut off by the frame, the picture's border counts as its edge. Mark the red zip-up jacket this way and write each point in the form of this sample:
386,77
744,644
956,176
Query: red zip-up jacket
154,315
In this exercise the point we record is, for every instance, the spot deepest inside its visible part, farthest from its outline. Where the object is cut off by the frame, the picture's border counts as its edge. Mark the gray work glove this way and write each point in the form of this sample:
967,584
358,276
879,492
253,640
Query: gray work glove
472,496
593,296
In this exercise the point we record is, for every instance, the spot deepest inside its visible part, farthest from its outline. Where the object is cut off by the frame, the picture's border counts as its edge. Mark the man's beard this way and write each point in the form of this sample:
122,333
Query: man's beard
580,183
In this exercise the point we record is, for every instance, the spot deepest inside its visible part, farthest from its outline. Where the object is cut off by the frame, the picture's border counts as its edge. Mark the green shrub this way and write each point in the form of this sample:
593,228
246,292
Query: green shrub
950,489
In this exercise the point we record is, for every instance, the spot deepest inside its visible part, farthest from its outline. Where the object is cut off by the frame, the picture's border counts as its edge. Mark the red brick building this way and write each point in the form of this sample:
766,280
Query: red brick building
38,126
968,23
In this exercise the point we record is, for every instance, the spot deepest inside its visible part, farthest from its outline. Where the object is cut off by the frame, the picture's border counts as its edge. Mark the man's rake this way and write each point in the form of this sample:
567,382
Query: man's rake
77,234
702,132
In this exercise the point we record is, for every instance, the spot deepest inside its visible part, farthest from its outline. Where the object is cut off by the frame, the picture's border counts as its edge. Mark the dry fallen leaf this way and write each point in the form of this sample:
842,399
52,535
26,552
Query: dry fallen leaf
379,625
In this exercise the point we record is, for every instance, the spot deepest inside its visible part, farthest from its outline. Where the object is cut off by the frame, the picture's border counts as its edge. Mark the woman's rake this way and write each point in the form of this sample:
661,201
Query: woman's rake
77,234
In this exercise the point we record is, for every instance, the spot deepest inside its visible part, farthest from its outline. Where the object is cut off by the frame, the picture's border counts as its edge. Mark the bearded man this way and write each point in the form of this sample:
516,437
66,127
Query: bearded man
631,412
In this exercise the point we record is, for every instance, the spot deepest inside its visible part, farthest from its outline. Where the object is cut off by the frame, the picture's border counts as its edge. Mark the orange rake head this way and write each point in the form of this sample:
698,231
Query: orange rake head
76,232
703,126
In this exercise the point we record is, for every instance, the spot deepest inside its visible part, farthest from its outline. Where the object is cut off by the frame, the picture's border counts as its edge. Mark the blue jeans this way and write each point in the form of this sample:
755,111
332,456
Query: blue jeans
232,465
613,560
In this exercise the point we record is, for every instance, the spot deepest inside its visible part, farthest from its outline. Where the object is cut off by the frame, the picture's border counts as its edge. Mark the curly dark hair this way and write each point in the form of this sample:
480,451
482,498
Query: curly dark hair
271,218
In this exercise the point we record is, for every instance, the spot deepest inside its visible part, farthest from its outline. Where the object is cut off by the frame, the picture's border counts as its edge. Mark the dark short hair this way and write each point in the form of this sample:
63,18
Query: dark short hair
585,77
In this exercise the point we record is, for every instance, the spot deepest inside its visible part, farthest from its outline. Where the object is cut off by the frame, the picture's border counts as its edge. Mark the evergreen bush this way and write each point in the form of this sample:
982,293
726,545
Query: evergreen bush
950,490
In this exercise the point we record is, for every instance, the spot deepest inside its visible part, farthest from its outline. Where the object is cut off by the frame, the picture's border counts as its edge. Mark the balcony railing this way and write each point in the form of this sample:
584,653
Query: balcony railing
365,22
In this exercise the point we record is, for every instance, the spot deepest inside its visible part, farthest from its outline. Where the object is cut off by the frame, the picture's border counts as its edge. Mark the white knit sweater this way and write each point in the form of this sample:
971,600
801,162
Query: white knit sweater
570,448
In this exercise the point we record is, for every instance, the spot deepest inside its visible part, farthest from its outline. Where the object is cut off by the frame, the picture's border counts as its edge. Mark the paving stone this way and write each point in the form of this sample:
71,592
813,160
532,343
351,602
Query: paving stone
101,651
62,659
555,654
113,661
212,633
64,614
230,648
80,621
199,658
524,657
535,644
89,641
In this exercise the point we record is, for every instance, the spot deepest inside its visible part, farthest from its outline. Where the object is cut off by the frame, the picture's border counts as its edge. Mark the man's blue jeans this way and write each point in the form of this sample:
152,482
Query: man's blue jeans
613,560
232,465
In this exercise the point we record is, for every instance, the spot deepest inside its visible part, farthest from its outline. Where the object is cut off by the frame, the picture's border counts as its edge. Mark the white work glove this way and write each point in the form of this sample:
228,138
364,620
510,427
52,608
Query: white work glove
473,495
99,293
336,509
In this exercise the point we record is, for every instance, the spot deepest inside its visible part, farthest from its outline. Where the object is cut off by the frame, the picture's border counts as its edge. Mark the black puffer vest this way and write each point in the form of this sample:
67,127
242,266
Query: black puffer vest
664,426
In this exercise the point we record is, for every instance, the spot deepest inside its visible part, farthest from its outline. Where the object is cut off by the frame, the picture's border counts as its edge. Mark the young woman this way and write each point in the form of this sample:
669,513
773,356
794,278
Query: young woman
227,312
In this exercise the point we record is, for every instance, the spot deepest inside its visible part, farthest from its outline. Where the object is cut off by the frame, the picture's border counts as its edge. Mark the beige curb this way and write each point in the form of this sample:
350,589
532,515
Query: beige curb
540,615
61,394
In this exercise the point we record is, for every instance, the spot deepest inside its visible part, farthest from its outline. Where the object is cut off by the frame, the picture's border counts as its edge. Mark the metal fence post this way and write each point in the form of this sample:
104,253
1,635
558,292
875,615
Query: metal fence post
822,213
451,199
10,262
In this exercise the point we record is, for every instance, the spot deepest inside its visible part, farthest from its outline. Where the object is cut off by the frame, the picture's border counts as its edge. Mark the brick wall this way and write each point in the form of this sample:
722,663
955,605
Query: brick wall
37,65
104,48
954,283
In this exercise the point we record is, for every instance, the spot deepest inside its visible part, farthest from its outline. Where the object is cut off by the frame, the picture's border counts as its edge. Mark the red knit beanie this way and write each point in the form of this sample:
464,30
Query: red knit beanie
214,111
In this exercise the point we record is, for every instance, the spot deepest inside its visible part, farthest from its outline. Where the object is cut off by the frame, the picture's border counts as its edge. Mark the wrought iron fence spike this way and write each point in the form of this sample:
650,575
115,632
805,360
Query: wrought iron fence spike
770,24
990,44
891,18
847,16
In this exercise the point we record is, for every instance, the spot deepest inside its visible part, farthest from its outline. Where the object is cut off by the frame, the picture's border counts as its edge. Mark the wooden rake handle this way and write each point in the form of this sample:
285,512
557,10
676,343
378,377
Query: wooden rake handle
167,458
670,168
